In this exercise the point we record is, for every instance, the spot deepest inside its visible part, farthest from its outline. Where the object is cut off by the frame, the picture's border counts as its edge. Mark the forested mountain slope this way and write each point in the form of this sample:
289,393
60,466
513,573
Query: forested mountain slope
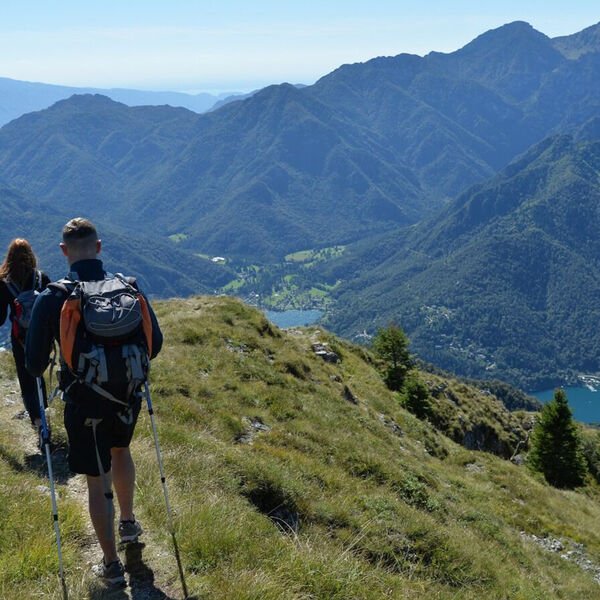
159,266
504,282
255,177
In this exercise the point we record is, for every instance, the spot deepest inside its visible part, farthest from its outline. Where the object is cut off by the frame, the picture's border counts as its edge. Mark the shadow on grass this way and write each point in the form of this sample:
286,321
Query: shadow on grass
11,461
141,581
141,576
36,463
60,466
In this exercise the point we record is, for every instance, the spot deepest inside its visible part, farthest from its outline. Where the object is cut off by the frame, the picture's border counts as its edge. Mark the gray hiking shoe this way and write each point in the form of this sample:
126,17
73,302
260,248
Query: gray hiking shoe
129,531
113,573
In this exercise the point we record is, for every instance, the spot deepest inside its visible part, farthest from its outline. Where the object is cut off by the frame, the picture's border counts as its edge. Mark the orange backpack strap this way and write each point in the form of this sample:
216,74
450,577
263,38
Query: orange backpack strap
70,316
146,322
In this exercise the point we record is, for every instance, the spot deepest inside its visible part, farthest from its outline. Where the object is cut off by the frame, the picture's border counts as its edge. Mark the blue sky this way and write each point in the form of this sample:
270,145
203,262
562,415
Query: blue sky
242,45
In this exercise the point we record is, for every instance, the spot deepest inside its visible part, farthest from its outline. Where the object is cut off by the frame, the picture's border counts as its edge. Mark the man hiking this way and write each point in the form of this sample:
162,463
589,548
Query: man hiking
107,332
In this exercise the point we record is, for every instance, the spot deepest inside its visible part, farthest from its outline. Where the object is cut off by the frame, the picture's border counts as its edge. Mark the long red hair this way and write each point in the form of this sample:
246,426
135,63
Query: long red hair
19,262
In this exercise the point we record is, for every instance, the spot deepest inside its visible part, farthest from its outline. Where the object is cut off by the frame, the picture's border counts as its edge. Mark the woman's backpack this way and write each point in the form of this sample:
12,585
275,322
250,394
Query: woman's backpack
23,305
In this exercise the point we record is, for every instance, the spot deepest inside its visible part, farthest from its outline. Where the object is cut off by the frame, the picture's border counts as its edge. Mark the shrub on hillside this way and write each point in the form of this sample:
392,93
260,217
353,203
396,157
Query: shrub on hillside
415,397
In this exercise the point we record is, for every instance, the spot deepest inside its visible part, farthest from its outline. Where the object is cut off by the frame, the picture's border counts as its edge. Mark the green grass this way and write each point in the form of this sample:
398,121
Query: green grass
315,255
382,514
178,237
300,256
28,555
233,285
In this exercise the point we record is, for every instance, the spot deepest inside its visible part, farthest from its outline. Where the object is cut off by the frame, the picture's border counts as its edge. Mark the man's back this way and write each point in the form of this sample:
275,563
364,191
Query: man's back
45,328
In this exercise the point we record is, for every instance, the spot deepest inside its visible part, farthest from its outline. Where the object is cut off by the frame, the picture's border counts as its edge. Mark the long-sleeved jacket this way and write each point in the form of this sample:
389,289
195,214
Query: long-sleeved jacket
44,327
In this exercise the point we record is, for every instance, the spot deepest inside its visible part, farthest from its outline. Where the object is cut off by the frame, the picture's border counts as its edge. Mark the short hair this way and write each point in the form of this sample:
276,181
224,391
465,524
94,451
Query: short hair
79,234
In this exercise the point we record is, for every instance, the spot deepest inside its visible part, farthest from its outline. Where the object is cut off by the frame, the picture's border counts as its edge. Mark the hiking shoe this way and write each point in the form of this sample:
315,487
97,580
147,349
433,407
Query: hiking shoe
129,531
113,573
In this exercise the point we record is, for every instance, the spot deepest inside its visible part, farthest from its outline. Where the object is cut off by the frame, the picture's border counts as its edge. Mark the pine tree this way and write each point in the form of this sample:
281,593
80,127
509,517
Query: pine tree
391,345
556,448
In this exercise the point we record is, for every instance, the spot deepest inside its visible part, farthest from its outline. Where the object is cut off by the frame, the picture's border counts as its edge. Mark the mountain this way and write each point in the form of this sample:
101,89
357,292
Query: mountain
367,148
20,97
232,98
503,282
258,178
291,478
511,60
584,42
161,268
458,118
239,96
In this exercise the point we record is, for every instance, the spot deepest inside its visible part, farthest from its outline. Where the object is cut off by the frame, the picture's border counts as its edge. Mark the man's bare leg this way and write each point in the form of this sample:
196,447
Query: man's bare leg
98,507
123,470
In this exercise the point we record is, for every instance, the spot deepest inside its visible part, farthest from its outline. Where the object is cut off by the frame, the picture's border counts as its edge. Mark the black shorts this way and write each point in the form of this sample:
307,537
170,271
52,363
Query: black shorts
111,432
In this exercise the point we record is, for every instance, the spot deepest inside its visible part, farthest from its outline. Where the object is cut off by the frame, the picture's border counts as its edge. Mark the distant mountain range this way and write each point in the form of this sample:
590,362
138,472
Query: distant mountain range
464,185
368,147
255,178
20,97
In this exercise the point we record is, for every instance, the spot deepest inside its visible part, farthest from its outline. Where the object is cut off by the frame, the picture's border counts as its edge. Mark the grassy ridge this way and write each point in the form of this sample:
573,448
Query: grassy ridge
381,516
386,506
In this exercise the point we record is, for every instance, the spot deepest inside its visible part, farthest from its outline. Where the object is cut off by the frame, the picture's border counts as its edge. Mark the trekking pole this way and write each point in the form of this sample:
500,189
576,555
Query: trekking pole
164,486
46,440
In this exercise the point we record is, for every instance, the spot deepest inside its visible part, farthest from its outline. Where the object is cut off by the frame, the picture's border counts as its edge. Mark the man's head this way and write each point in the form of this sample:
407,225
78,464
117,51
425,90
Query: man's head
80,240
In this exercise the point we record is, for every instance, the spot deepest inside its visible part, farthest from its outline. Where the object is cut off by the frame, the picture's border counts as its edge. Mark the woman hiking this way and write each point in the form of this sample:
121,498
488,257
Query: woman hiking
18,275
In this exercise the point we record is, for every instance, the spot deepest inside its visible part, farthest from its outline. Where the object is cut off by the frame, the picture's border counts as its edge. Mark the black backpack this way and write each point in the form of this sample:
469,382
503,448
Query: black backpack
106,335
23,305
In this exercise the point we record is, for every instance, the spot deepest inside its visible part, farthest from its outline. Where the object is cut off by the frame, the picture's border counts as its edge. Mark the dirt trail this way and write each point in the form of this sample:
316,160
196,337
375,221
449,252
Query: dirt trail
144,562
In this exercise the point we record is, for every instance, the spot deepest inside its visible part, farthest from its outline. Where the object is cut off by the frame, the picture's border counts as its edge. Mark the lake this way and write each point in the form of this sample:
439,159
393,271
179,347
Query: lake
584,402
293,318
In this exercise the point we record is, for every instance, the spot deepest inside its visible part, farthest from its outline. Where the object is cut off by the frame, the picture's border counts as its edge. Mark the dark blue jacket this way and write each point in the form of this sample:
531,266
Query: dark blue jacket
44,327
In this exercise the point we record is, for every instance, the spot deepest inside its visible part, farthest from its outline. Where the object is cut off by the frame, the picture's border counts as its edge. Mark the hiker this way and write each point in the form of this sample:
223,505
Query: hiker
100,413
19,280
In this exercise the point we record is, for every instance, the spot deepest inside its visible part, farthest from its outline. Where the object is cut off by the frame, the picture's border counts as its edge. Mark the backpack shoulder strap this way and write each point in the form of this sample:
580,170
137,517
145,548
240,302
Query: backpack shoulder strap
37,280
66,285
13,288
129,280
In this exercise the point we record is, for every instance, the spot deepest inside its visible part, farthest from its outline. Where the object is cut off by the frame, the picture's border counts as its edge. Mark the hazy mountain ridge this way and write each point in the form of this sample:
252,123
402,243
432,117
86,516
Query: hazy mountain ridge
20,97
583,42
477,108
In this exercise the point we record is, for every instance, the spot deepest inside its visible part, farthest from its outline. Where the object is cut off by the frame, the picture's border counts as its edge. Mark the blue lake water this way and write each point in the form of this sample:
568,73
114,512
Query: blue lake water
292,318
584,402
